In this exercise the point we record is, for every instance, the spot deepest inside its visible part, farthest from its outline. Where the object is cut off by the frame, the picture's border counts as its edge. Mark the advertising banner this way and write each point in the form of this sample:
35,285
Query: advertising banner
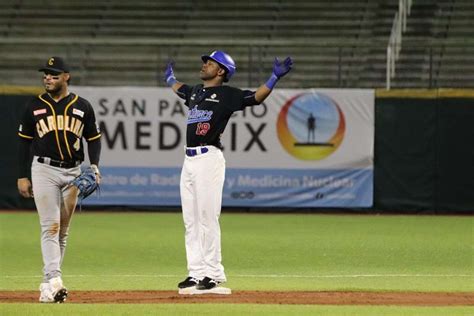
300,148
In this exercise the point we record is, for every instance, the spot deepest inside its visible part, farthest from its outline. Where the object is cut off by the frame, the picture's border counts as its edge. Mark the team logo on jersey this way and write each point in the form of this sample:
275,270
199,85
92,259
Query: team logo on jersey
212,98
196,115
78,112
311,126
39,112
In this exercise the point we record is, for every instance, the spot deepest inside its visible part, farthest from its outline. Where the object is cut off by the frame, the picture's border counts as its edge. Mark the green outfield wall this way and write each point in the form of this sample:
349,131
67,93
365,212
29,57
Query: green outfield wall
424,155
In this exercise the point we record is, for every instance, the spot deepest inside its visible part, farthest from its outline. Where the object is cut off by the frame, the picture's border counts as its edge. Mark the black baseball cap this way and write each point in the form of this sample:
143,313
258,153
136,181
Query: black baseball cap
55,64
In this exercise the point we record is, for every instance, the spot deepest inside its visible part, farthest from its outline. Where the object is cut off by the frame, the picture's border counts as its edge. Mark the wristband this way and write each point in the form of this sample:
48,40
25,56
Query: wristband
171,81
271,82
95,169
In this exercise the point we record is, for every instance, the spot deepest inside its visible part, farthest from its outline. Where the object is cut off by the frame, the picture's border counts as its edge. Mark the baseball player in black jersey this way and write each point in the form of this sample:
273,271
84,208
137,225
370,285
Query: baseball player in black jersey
211,105
52,129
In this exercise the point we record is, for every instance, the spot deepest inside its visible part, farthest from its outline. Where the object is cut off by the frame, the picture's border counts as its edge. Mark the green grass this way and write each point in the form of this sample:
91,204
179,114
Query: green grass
224,309
260,251
128,251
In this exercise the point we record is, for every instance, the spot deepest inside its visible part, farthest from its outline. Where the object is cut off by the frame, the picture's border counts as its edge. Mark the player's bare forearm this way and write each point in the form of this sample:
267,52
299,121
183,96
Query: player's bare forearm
262,93
176,86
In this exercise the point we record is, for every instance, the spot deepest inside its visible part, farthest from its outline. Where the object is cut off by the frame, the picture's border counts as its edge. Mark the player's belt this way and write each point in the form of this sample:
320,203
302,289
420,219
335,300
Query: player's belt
191,152
58,163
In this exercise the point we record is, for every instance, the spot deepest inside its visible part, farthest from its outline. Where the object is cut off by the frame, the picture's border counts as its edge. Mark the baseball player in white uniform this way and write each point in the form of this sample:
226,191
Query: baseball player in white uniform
211,105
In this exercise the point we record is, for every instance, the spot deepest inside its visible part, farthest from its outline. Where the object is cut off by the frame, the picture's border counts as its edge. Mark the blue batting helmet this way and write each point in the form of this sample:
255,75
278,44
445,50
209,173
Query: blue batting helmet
224,60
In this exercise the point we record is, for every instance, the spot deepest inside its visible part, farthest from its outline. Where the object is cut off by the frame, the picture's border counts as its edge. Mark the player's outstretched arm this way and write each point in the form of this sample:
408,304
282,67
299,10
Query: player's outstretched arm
170,78
280,69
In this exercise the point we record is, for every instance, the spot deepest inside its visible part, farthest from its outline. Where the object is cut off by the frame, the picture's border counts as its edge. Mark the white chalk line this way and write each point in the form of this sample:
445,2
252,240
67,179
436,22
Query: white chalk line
259,276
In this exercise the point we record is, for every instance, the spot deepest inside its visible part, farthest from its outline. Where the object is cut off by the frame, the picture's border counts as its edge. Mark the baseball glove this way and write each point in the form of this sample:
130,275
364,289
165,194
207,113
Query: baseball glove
86,182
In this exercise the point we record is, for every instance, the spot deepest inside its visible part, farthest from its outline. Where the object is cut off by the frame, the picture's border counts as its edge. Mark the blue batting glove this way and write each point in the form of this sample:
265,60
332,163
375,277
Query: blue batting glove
279,70
282,68
169,74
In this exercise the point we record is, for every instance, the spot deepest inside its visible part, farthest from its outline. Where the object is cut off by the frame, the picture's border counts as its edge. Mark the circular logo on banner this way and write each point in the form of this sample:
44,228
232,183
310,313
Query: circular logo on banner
311,126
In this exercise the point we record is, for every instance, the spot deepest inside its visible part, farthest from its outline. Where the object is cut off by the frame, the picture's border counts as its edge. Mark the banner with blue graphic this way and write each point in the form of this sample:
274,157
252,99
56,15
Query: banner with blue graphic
300,148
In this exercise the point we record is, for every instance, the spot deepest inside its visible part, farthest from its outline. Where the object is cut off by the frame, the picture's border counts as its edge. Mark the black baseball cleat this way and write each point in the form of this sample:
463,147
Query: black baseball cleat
207,284
61,295
189,282
211,286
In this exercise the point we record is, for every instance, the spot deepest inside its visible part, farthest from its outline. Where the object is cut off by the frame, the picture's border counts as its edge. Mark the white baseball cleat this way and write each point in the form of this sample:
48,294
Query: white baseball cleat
46,295
58,291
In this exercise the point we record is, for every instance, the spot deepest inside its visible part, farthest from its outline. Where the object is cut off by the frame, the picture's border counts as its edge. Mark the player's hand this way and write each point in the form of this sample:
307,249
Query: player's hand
25,188
282,68
98,177
169,77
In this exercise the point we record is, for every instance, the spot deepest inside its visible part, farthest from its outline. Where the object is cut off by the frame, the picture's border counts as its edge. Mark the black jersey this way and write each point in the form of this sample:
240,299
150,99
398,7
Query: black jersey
209,111
57,128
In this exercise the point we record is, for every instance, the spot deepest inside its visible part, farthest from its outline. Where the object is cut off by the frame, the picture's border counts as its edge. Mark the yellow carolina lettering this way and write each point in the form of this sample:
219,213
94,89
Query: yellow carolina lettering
51,123
71,124
77,126
48,124
66,123
81,130
38,129
43,126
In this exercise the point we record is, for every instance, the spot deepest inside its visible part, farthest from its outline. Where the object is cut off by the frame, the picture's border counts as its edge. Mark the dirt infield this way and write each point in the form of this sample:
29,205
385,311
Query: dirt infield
254,297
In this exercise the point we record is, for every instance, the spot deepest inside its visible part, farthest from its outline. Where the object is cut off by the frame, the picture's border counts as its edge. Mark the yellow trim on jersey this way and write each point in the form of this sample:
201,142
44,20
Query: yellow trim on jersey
65,133
55,125
93,138
25,136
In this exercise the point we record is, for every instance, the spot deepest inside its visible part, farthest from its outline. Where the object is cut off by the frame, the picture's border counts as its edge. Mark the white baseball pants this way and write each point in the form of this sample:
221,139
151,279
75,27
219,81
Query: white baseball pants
202,182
